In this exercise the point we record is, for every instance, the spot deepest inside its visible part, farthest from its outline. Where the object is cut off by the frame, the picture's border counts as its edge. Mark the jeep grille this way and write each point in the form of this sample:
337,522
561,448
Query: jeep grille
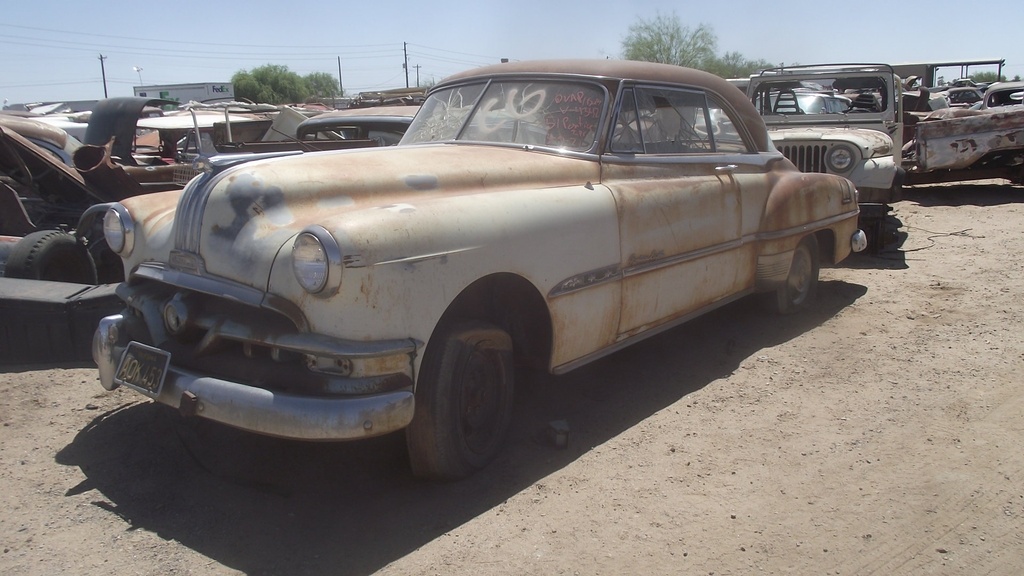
807,158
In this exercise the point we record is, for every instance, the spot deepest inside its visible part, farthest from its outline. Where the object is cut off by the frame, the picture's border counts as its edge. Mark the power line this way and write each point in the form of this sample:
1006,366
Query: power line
49,84
348,51
202,54
179,41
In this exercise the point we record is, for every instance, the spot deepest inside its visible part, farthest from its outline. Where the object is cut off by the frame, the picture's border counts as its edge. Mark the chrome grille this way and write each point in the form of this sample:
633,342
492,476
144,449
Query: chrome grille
807,158
183,173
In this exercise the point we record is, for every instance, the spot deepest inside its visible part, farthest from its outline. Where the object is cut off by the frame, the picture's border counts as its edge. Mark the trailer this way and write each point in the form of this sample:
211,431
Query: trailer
201,92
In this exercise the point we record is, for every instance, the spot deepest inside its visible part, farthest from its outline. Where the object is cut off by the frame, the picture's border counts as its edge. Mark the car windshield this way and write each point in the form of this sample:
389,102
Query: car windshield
558,114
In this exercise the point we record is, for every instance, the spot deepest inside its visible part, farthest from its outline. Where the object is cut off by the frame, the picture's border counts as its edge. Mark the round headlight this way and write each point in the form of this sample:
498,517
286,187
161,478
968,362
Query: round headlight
309,260
119,230
840,159
316,261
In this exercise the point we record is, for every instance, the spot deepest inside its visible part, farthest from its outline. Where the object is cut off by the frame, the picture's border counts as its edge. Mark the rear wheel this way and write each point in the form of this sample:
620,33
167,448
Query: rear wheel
463,402
802,281
51,255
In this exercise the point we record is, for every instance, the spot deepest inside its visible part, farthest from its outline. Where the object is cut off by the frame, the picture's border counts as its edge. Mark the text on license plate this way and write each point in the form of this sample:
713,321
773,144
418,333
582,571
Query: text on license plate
143,367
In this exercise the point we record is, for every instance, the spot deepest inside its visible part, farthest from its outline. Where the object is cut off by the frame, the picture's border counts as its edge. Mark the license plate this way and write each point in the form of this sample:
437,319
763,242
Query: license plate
143,368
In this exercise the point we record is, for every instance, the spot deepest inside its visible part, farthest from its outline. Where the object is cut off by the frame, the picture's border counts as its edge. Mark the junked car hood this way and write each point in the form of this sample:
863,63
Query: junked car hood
252,210
871,142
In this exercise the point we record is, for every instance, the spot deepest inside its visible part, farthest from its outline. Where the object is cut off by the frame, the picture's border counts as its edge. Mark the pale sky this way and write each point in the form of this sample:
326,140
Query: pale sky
50,51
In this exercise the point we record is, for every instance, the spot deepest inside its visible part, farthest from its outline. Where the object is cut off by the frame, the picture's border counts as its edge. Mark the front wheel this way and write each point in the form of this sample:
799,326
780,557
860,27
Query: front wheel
802,281
463,402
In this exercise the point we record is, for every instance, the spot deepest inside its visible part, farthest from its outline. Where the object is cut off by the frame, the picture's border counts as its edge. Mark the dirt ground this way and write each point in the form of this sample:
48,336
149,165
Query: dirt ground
878,433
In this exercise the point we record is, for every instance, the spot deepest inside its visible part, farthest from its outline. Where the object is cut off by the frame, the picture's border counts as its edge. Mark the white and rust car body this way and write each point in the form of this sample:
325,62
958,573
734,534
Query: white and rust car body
535,212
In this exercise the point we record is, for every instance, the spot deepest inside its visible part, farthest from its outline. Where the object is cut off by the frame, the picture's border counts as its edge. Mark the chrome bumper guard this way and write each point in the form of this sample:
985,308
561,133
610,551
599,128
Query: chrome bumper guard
257,409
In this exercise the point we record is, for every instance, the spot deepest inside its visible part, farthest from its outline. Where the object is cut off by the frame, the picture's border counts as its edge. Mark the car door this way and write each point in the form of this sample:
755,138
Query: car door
679,195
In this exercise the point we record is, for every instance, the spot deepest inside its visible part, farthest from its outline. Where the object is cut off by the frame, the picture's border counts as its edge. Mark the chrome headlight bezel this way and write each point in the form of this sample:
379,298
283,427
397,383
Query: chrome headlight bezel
317,261
119,230
841,158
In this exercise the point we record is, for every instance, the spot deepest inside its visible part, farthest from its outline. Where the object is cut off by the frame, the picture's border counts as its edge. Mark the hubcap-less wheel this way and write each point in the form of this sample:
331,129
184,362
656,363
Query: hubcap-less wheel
481,400
799,279
801,283
463,401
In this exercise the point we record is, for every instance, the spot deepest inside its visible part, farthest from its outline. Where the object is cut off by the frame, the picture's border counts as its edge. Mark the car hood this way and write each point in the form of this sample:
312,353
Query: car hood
251,211
870,142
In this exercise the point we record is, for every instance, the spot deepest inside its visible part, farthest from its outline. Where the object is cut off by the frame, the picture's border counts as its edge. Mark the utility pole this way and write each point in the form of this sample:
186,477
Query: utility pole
417,67
341,90
103,71
405,62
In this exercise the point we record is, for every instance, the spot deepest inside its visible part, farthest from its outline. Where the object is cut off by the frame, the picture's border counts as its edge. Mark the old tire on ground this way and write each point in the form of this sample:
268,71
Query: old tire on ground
51,255
802,281
463,402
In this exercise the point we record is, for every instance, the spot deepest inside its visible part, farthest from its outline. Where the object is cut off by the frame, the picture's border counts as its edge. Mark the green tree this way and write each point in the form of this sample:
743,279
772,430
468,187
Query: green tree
322,85
664,39
987,77
270,84
735,65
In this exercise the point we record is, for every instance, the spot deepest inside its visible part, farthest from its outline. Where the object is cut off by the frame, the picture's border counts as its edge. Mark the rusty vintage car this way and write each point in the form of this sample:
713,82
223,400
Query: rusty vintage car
535,213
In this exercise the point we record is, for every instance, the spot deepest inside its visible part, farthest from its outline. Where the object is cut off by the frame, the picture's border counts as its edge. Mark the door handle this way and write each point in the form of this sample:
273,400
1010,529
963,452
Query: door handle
727,168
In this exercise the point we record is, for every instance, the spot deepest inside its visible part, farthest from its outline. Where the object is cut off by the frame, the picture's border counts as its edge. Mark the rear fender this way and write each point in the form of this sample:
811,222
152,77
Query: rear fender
800,204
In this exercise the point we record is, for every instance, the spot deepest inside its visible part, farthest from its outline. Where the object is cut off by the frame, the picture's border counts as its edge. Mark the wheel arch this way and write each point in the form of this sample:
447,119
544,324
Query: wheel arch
511,303
826,246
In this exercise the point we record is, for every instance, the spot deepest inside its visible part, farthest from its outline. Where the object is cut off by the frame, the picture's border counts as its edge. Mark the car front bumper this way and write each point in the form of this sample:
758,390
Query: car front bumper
256,409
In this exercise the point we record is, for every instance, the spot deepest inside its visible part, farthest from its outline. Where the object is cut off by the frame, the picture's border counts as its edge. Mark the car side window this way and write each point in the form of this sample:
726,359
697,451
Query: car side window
654,120
673,121
626,134
726,136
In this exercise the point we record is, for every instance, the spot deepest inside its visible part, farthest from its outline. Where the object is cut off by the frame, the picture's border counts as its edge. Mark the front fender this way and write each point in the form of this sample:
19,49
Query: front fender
879,172
404,264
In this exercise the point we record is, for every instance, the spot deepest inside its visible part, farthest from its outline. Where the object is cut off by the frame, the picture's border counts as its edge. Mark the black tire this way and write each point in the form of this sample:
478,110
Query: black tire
51,255
464,402
801,282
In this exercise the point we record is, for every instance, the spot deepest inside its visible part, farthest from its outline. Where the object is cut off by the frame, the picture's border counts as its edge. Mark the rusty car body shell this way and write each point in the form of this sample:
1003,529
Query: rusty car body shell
575,252
55,192
959,144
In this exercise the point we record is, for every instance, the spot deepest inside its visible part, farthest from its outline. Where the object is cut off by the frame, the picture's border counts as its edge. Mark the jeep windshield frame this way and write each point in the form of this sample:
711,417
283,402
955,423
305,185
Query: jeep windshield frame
871,88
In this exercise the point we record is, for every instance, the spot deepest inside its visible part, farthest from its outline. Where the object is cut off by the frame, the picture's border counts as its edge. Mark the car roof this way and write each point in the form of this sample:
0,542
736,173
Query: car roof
377,112
32,128
615,71
185,121
375,118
